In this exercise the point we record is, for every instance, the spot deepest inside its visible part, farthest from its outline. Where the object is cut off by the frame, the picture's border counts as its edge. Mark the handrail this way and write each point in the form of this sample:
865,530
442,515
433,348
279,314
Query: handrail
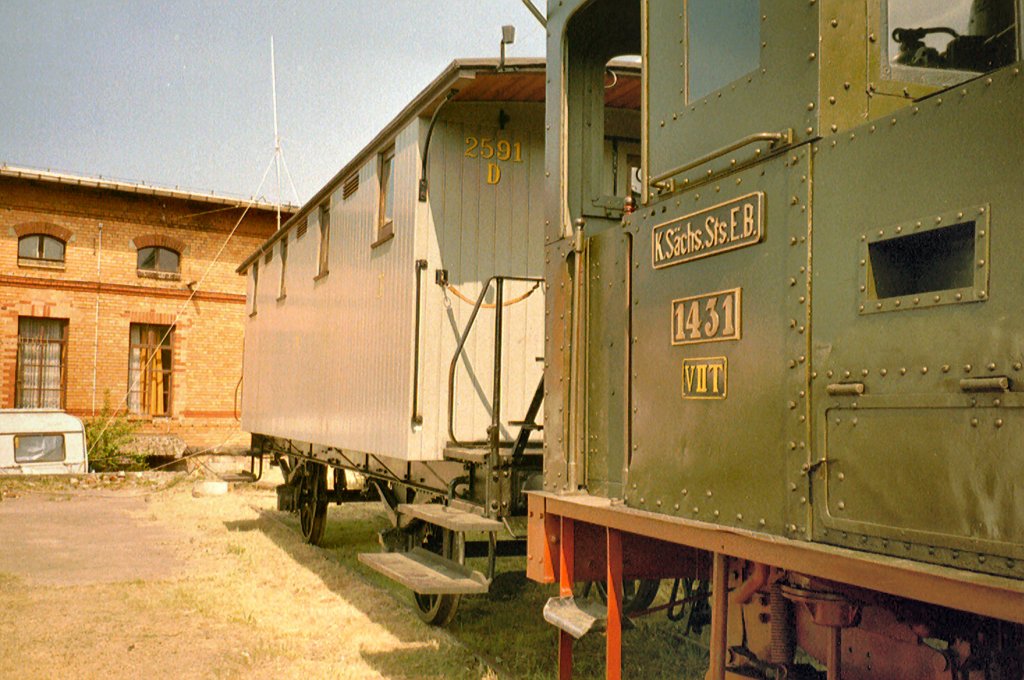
417,417
499,281
773,137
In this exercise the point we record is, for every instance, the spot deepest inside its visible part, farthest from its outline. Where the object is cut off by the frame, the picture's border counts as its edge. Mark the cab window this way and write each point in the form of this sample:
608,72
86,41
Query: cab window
723,39
940,40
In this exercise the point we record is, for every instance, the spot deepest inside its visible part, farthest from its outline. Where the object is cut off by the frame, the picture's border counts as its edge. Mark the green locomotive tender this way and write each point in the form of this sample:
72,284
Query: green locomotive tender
794,369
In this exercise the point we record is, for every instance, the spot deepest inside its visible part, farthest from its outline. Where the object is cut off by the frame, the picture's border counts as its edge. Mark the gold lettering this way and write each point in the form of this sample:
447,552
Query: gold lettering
748,219
732,222
688,373
704,378
711,226
659,254
493,173
693,237
715,369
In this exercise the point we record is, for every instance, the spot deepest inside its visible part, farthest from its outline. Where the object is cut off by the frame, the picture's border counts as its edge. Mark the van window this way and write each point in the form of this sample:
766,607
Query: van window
39,448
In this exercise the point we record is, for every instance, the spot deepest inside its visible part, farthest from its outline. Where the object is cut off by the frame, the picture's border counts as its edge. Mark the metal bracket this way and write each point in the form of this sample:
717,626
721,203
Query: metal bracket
565,614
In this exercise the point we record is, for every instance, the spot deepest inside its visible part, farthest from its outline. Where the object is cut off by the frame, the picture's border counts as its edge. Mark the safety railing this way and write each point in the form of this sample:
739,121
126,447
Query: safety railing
493,432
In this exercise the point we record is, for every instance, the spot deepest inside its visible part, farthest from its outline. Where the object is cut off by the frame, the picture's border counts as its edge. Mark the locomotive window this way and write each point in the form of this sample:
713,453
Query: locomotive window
970,36
928,262
723,43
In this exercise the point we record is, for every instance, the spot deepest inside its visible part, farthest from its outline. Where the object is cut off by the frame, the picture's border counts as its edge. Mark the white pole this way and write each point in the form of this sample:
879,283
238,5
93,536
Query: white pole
277,139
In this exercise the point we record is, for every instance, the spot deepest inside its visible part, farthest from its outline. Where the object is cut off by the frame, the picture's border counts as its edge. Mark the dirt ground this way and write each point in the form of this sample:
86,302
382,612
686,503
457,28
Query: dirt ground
124,580
126,577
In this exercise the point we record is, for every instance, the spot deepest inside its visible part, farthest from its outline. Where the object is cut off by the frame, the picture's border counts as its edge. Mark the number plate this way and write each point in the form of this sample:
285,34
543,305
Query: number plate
711,317
726,226
705,378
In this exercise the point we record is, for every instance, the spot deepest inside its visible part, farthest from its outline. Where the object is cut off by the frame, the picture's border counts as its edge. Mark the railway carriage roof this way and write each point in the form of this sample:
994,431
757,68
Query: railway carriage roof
477,80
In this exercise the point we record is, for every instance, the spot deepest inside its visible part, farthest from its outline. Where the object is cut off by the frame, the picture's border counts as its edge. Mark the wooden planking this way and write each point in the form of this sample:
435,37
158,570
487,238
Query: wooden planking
332,361
426,573
450,518
498,243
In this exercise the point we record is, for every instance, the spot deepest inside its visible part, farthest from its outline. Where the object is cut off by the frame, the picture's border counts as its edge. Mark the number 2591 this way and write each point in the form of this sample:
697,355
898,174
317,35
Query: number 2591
707,318
487,148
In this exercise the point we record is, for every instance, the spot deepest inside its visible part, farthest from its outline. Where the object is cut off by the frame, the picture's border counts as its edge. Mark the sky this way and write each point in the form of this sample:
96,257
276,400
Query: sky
179,93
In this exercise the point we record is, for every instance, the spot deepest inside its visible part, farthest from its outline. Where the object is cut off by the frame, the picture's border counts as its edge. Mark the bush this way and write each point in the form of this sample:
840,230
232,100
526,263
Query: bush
108,437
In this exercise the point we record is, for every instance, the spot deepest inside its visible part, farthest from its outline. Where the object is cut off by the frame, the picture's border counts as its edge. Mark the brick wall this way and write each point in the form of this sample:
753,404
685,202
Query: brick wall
100,292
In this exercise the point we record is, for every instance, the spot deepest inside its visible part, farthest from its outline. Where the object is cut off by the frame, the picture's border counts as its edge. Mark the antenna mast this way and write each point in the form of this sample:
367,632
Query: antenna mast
277,137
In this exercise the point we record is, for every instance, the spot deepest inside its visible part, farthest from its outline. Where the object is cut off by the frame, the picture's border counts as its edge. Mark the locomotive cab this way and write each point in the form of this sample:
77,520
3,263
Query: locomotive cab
796,363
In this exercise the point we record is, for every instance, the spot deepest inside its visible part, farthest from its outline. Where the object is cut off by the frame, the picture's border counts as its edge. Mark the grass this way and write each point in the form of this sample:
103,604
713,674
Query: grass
252,600
505,628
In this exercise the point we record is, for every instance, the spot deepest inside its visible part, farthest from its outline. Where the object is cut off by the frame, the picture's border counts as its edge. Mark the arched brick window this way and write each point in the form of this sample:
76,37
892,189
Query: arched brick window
41,247
41,243
158,254
159,259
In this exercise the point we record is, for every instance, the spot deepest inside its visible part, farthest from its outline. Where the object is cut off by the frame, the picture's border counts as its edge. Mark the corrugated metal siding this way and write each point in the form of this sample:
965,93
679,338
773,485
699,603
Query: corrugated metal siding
476,230
331,363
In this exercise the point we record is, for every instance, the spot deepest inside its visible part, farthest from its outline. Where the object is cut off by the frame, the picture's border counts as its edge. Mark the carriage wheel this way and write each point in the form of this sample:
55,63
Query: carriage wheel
437,610
312,506
637,594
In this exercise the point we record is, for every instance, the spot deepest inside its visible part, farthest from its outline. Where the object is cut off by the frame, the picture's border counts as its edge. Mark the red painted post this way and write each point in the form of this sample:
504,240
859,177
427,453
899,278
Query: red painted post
613,653
719,616
566,561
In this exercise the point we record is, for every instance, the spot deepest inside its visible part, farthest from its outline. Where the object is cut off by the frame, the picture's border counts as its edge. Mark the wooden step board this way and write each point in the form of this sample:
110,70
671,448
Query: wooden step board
239,477
449,518
427,573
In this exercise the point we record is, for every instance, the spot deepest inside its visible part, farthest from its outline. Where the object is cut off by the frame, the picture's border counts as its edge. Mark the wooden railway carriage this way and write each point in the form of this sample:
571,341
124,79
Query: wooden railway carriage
795,370
396,324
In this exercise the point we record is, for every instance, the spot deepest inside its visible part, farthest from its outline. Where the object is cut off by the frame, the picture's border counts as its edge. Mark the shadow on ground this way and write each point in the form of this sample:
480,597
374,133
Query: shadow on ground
503,630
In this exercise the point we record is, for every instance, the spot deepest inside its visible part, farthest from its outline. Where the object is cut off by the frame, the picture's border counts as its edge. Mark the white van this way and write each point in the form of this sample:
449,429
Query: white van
41,441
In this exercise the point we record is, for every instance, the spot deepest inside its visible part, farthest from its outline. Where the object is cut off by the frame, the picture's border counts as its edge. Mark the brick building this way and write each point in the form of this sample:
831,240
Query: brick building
125,293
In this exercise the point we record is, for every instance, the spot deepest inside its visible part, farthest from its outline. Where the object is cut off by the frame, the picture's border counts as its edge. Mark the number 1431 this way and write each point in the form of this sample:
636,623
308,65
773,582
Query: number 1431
707,318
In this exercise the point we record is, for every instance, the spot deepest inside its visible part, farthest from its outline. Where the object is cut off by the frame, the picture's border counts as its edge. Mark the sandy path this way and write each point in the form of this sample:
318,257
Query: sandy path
117,584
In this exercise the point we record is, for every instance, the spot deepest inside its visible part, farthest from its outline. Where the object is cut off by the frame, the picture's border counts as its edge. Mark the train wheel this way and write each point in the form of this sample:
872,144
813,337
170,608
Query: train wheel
312,506
637,594
437,610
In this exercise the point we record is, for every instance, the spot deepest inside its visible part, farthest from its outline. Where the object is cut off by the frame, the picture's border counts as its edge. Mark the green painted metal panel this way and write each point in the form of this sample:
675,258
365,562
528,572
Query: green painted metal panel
607,358
780,92
917,250
731,456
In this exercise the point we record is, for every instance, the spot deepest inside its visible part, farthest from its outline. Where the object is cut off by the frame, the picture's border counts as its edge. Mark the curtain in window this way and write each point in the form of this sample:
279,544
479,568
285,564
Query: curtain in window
149,369
40,363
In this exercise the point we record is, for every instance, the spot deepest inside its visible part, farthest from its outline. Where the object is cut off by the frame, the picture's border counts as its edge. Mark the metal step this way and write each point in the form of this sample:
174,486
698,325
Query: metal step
474,454
478,454
427,573
577,618
449,518
240,477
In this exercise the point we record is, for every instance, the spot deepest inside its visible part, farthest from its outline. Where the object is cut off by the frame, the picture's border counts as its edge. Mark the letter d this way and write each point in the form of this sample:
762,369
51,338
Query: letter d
493,173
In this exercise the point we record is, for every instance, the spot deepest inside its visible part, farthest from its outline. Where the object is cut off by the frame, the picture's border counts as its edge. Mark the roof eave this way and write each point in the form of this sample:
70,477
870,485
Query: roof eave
455,71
